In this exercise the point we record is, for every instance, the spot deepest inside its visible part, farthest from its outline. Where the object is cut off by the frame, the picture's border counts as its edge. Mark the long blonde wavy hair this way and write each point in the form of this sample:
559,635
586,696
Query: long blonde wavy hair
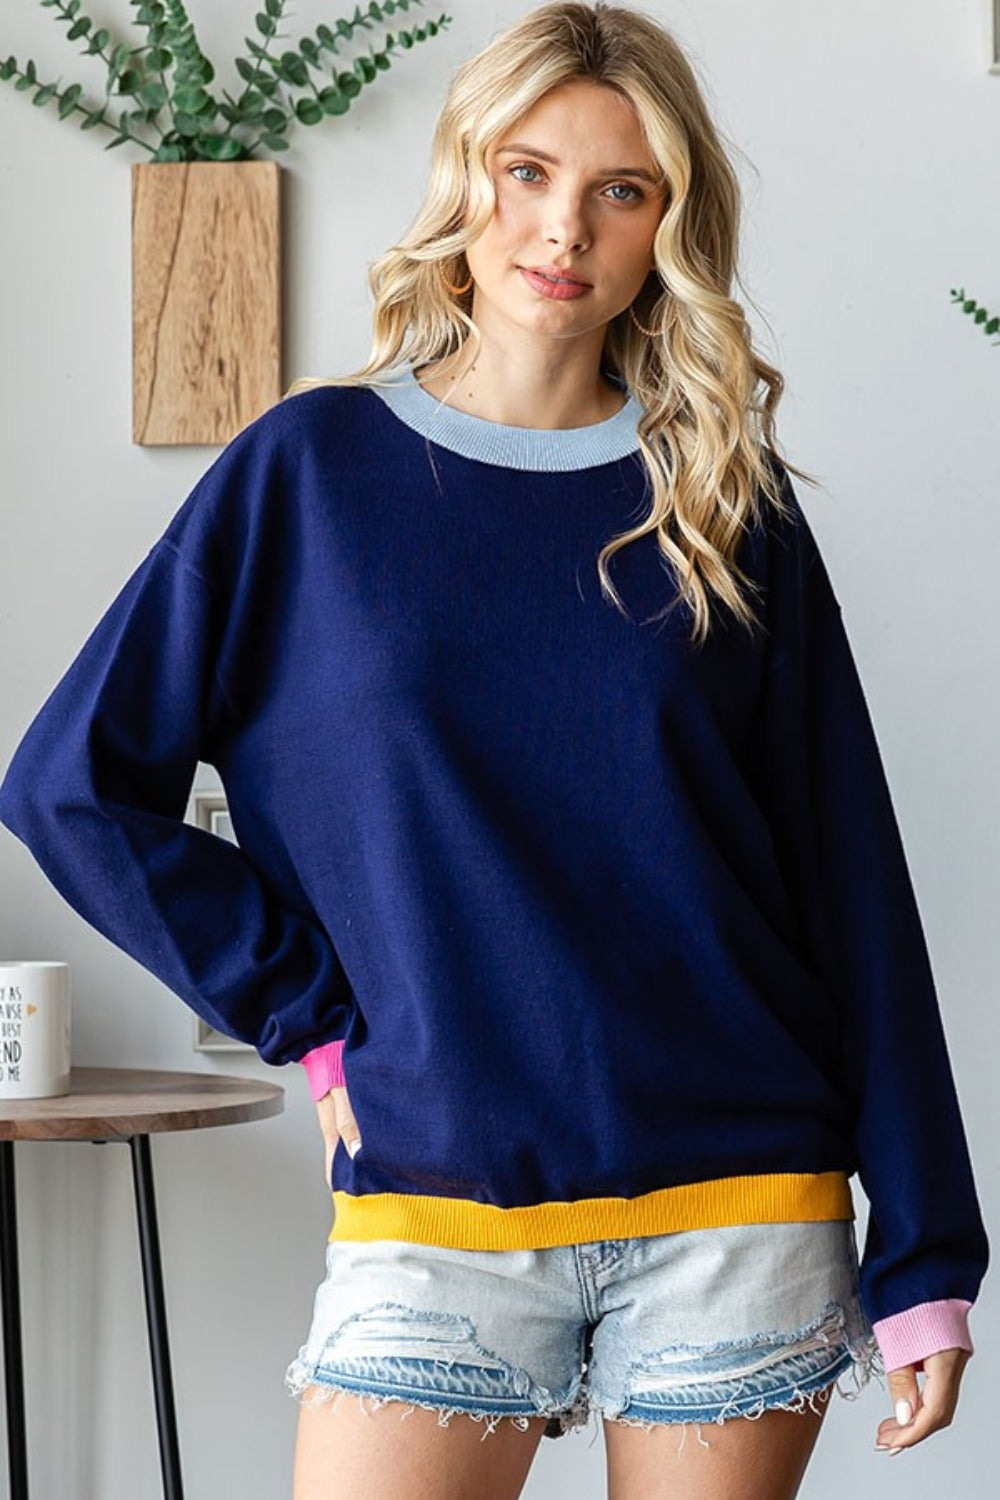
694,370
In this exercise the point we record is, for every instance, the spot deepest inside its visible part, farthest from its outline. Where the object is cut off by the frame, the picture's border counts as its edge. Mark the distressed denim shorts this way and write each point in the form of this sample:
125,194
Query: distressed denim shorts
695,1326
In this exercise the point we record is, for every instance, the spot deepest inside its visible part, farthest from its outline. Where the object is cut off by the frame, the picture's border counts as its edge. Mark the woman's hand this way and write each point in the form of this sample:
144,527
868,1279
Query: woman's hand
337,1122
929,1409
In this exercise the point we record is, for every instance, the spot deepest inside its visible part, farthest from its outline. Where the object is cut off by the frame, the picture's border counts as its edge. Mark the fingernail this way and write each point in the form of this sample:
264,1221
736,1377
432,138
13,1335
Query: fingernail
903,1412
882,1448
352,1148
897,1450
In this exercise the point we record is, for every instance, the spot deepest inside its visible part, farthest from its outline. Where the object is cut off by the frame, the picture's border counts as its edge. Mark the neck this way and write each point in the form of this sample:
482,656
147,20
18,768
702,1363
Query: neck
542,395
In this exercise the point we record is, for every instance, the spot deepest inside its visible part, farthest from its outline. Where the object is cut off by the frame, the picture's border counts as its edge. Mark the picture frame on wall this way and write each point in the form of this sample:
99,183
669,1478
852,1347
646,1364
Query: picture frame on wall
210,810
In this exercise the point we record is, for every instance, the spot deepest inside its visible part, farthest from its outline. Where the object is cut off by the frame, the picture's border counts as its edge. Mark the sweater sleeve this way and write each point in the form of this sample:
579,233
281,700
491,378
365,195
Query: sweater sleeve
838,842
98,786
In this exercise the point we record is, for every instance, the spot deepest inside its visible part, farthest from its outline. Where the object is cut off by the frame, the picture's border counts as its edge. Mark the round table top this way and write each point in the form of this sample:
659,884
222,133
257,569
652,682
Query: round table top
108,1103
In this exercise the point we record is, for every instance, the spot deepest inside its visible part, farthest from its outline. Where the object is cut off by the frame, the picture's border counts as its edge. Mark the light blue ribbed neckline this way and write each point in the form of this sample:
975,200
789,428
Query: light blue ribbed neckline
556,448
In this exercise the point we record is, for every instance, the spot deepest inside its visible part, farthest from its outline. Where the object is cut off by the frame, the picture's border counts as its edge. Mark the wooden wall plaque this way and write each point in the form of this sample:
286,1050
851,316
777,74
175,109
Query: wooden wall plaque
206,288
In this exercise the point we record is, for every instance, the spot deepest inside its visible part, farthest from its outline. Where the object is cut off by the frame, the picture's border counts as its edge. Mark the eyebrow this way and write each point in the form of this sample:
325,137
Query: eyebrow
611,171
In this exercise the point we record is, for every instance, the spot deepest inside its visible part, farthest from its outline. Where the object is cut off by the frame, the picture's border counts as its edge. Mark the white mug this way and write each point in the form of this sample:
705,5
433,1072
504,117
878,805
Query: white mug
34,1029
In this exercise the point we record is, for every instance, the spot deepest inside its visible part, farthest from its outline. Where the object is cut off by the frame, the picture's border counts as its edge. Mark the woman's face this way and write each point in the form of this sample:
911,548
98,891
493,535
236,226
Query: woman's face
564,199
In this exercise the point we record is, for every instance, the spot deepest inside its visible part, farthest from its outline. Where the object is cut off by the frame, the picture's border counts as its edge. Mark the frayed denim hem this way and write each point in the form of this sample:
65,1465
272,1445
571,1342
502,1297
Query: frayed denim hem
310,1388
798,1381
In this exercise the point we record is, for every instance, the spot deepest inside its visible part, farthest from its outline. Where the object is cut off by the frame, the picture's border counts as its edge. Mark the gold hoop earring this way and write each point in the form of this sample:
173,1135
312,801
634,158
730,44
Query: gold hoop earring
651,333
455,290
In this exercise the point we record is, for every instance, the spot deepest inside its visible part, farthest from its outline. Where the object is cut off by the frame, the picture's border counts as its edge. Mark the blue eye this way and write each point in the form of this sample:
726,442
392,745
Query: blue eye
633,190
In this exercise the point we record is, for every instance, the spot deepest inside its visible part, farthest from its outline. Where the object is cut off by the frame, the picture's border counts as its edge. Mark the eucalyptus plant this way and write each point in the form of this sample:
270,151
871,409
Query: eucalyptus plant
969,305
169,72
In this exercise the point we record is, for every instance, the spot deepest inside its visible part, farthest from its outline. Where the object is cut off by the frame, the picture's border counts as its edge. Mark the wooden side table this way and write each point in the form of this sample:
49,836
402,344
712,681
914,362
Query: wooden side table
103,1105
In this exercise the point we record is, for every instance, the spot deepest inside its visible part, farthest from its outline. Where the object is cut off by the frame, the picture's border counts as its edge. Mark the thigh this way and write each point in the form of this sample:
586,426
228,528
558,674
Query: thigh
345,1450
742,1459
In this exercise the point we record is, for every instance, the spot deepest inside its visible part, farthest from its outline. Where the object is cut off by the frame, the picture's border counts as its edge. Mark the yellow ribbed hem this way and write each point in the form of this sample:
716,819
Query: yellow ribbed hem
463,1224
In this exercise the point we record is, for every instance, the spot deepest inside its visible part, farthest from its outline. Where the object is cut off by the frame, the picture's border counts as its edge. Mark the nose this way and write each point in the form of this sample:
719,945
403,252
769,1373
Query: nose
566,223
566,240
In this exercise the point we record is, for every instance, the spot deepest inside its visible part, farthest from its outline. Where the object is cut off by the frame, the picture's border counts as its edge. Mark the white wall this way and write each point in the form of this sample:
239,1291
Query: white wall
867,143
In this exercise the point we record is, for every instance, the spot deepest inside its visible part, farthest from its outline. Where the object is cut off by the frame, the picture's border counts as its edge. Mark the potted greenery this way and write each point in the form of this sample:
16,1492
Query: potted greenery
205,208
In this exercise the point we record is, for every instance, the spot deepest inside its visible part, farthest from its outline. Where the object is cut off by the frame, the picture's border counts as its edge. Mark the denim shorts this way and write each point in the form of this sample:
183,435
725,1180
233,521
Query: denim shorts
695,1326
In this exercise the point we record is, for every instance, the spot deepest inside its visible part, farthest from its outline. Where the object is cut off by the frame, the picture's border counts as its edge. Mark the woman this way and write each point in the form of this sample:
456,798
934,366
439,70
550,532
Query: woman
567,865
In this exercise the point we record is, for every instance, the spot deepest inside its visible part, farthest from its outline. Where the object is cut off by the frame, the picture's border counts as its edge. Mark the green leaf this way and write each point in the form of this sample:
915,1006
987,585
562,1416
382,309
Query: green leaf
309,111
274,8
246,70
79,28
67,103
44,94
219,148
8,68
274,142
191,101
153,95
275,119
292,69
96,117
334,102
264,24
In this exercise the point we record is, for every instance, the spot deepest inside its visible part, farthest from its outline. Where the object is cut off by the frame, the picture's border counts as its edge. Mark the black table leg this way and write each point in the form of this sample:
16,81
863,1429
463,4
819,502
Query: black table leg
13,1363
156,1316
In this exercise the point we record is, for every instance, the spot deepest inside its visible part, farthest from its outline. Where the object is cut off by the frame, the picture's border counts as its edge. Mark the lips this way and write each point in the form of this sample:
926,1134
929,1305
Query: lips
553,274
555,290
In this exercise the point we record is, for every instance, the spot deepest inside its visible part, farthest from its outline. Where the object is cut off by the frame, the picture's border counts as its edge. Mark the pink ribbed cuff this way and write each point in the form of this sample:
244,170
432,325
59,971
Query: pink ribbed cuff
324,1068
907,1337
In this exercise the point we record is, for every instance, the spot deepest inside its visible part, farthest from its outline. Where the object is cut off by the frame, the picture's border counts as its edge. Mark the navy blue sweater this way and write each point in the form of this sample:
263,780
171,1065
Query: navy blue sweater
617,932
